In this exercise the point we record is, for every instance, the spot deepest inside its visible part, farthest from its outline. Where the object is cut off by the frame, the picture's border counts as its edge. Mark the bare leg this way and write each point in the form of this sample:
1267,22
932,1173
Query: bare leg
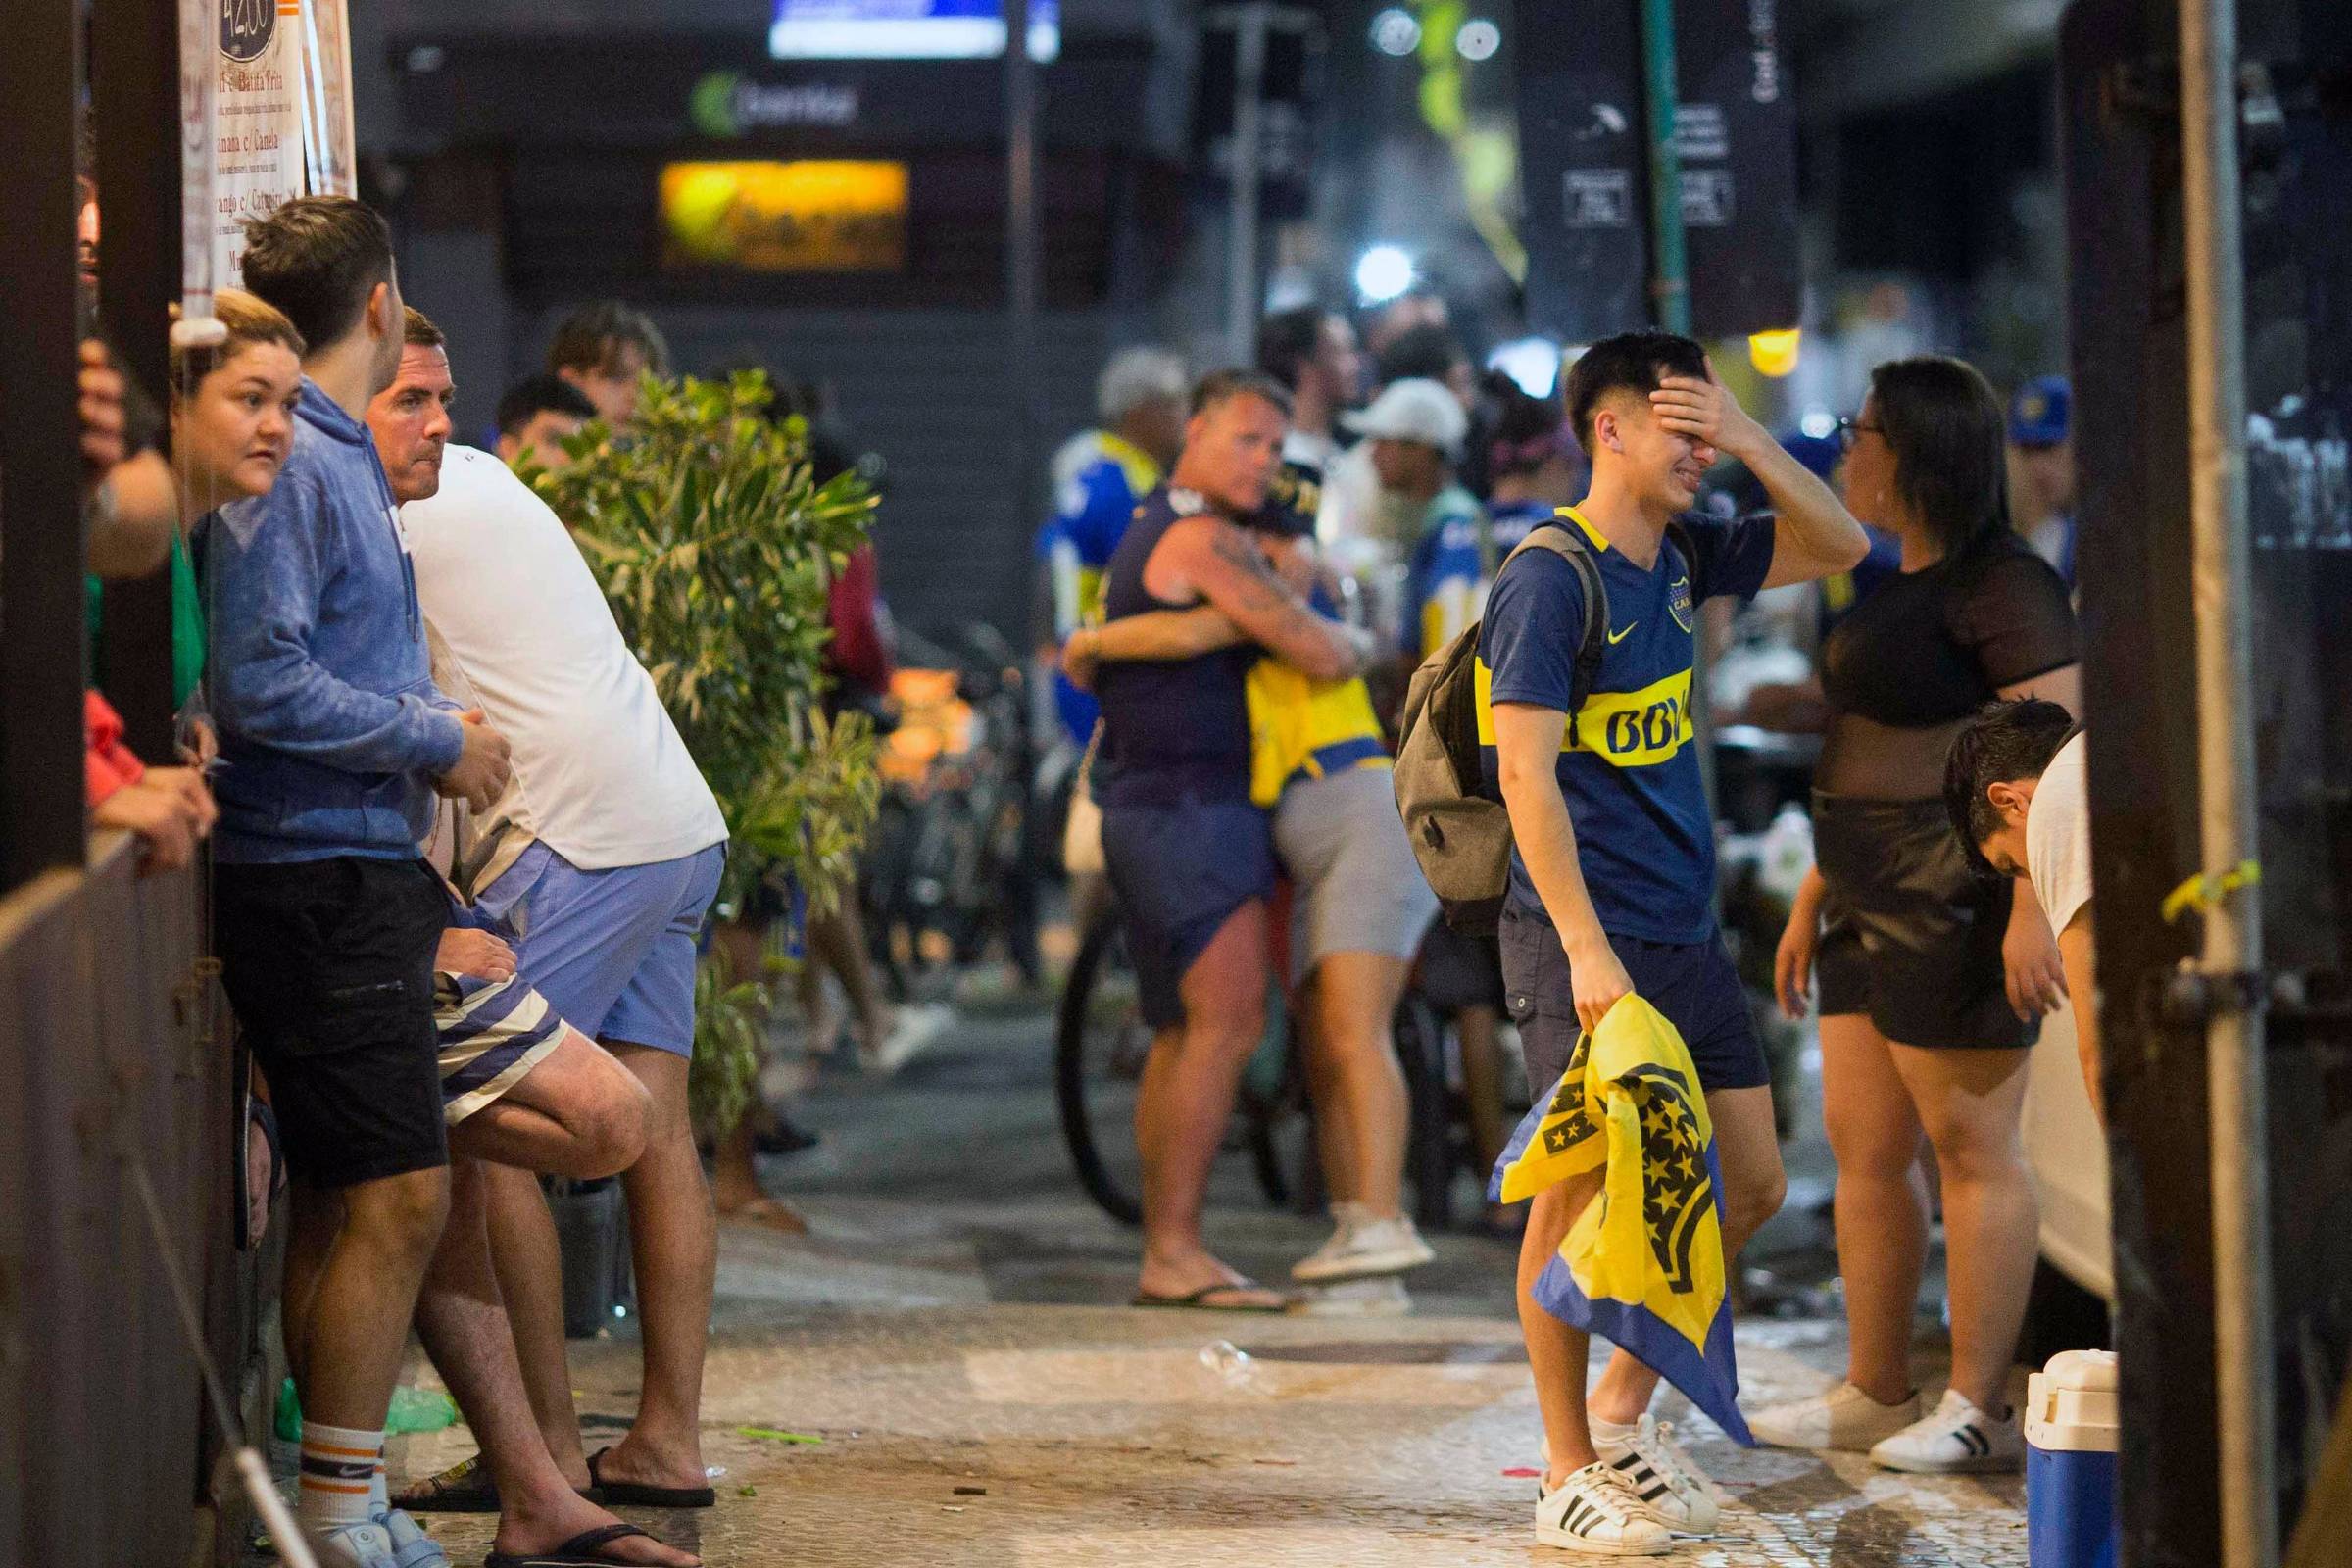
674,1241
1474,1026
1351,1007
530,1262
837,943
357,1323
576,1113
1747,1147
1557,1354
315,1215
463,1322
1187,1096
1881,1204
1970,1101
735,1185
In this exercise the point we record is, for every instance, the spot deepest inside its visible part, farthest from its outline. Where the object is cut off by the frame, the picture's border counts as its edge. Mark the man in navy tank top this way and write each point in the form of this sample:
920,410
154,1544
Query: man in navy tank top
1191,856
1612,878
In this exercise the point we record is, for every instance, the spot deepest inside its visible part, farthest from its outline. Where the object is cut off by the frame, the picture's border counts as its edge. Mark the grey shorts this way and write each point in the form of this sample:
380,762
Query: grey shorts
1354,885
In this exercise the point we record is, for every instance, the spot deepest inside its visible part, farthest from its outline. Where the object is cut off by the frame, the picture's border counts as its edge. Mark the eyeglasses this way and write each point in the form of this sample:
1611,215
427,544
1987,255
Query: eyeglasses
1849,429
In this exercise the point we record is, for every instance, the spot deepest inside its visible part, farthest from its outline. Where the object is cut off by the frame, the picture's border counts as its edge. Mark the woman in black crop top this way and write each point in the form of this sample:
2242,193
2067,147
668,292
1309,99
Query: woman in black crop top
1932,983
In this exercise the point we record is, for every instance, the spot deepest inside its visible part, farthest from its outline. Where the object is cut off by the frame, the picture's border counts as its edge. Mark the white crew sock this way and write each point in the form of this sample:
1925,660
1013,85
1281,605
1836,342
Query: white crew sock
339,1472
1610,1431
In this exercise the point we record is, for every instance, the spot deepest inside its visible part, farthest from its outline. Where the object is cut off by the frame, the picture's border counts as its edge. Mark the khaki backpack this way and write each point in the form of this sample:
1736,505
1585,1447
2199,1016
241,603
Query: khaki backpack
1461,832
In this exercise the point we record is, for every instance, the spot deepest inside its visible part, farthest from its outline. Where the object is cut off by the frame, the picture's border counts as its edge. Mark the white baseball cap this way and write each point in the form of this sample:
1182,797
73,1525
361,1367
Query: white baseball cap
1415,409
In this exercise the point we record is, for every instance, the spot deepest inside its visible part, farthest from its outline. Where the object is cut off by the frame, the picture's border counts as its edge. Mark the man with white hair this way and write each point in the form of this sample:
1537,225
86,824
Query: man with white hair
1099,478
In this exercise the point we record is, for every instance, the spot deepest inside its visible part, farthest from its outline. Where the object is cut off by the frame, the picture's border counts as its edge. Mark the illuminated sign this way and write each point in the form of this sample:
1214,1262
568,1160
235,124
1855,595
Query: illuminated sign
807,215
906,30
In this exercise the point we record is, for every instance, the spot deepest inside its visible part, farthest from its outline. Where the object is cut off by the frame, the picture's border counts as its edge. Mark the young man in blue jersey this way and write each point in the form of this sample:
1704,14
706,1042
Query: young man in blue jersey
1612,879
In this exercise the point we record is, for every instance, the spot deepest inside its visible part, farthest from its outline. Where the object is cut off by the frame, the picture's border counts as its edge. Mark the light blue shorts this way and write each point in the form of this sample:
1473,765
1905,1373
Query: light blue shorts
613,951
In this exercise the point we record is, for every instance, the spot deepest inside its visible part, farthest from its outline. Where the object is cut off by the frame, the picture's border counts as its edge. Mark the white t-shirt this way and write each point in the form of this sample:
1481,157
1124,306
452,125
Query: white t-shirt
2058,837
520,629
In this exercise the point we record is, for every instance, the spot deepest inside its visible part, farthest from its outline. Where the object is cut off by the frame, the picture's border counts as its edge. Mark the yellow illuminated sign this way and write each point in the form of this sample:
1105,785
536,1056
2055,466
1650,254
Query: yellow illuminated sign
806,215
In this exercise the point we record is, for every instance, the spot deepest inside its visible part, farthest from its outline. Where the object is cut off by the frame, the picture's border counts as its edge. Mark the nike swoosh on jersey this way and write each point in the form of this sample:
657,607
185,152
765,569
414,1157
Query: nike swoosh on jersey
1617,637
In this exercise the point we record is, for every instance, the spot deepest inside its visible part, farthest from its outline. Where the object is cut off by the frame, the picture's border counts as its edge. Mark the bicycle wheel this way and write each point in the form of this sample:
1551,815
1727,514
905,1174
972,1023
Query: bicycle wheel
1101,1044
1429,1154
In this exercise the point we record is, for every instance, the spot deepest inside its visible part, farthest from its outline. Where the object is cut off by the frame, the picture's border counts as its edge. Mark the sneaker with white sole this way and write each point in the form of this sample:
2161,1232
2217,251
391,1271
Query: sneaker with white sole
411,1547
366,1545
1667,1486
1957,1440
1594,1511
1361,1246
1843,1418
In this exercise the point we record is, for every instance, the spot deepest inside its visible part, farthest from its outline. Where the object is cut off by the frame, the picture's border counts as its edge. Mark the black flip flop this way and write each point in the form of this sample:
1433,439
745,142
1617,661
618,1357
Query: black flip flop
631,1494
464,1488
1198,1301
582,1550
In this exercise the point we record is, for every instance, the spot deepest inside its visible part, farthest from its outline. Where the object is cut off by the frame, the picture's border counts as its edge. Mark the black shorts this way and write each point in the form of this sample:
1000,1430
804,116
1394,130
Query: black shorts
1910,935
1692,983
1459,970
329,965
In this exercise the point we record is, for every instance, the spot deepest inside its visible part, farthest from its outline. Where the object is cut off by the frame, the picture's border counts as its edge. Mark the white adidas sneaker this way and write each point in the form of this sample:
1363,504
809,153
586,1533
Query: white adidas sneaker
1361,1246
1843,1418
1593,1511
1669,1487
1957,1440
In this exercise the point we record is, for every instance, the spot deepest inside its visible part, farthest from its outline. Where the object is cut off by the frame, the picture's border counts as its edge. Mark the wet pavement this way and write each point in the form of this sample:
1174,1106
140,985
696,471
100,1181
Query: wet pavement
949,1335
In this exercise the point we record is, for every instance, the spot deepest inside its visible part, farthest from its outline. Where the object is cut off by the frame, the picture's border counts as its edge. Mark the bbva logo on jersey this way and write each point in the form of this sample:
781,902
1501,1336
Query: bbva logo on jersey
1635,729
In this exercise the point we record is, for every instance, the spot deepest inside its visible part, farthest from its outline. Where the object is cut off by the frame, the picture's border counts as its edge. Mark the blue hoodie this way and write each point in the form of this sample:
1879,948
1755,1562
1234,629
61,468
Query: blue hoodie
331,731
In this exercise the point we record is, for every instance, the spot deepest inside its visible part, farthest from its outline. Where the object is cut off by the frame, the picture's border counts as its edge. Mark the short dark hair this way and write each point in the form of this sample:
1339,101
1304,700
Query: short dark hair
535,395
1630,361
418,331
2006,742
1949,434
1429,352
1528,430
1287,342
1223,386
592,338
318,258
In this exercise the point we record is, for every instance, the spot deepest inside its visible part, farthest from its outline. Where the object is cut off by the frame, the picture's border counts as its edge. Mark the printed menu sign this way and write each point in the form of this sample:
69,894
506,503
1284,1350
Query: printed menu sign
256,122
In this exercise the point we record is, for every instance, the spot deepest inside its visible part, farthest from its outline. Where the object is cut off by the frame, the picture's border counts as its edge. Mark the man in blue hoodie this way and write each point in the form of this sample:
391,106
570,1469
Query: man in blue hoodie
333,743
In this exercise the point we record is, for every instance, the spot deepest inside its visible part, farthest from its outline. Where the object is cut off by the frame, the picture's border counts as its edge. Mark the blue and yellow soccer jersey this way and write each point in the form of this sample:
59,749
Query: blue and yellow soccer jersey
1446,581
1628,768
1101,479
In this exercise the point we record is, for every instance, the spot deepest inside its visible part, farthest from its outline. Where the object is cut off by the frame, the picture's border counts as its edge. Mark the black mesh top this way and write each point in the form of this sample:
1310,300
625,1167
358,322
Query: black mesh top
1926,649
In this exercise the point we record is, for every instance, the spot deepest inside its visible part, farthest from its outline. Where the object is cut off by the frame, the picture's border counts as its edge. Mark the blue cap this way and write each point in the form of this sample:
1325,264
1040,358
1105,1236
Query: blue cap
2040,413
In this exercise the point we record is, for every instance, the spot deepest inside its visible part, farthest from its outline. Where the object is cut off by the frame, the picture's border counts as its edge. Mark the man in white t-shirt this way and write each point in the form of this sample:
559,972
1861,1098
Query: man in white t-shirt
598,864
2020,800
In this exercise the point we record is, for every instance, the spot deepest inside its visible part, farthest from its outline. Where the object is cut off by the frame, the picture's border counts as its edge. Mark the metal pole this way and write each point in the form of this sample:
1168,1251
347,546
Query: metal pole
2225,786
1670,267
1241,296
1021,256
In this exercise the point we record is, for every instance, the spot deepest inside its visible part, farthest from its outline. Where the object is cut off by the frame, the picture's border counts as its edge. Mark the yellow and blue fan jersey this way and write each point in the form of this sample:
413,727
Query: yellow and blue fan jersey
1446,579
1098,481
1628,767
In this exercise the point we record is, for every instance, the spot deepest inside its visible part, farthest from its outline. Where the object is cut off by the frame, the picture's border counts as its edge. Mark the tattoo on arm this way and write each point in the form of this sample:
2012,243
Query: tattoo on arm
1265,588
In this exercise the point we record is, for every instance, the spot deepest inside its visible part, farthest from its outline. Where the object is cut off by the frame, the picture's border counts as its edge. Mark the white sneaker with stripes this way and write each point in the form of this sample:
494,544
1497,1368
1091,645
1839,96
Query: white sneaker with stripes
1958,1439
1593,1511
1669,1487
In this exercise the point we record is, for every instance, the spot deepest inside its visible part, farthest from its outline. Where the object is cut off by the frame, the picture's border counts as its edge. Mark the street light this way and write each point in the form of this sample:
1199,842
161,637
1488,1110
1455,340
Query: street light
1382,274
1396,32
1478,40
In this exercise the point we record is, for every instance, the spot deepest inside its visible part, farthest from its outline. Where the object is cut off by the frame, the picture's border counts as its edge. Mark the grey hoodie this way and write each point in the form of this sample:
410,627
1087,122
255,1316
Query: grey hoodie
331,731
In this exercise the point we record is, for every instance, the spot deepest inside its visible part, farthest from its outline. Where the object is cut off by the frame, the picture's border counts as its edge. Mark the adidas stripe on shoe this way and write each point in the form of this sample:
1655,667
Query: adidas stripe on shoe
1593,1511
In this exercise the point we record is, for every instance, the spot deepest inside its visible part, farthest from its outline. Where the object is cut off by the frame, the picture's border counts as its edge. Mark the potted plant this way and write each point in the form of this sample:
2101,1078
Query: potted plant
715,546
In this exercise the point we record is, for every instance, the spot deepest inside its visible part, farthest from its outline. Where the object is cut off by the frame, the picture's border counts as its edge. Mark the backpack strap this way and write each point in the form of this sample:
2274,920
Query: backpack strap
1563,540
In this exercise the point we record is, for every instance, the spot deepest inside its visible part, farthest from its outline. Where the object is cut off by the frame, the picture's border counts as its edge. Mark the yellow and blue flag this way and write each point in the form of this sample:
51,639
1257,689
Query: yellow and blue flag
1643,1266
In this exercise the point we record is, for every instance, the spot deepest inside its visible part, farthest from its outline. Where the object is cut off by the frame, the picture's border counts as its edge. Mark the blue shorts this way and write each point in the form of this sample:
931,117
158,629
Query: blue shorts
612,952
1179,871
1692,983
